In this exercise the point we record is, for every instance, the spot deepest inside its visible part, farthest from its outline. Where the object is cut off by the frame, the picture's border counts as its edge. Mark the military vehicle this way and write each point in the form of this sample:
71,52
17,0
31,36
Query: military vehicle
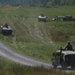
6,29
42,18
63,58
63,18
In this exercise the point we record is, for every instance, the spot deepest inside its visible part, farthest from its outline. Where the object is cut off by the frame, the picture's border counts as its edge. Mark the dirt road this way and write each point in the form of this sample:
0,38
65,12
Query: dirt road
11,55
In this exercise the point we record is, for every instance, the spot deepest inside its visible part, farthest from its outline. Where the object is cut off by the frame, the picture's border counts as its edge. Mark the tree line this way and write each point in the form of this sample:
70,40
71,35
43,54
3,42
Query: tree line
39,2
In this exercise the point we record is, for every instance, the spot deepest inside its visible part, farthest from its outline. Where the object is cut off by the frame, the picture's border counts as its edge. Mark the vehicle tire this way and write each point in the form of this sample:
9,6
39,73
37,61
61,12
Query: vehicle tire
72,67
64,66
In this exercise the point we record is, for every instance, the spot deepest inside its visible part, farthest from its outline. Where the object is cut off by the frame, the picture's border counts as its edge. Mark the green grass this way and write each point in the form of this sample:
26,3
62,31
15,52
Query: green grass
35,39
10,68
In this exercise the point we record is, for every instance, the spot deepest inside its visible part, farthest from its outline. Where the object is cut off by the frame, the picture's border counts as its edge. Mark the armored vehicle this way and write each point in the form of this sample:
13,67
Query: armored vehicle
63,58
42,18
6,30
63,18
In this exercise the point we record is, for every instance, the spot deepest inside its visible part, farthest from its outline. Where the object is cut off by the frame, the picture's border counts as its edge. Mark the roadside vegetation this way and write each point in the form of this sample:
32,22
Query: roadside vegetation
34,39
10,68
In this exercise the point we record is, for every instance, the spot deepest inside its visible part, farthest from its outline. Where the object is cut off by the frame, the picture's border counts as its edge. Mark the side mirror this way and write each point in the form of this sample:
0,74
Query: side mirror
53,54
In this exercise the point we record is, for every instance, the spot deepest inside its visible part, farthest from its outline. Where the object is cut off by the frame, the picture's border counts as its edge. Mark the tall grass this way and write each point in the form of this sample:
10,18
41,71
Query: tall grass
9,68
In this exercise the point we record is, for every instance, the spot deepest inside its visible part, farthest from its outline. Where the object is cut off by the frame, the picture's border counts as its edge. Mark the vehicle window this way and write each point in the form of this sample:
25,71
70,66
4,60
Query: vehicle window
70,56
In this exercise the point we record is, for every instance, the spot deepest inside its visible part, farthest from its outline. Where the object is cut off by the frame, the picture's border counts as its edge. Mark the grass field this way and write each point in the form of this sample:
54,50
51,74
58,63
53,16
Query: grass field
9,68
35,39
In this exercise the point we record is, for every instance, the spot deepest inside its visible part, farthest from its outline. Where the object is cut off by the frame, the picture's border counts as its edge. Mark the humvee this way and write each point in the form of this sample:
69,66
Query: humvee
63,18
42,18
63,58
6,30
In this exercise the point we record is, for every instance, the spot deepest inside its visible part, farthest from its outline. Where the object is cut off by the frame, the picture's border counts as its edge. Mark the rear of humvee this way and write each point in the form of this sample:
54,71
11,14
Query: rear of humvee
70,60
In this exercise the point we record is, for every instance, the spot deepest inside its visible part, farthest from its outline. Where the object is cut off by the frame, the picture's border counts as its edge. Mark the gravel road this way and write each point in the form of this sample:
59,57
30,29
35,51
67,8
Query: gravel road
18,58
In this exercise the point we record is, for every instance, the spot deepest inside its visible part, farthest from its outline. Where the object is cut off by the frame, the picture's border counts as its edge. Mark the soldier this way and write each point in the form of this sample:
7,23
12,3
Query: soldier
5,25
69,46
